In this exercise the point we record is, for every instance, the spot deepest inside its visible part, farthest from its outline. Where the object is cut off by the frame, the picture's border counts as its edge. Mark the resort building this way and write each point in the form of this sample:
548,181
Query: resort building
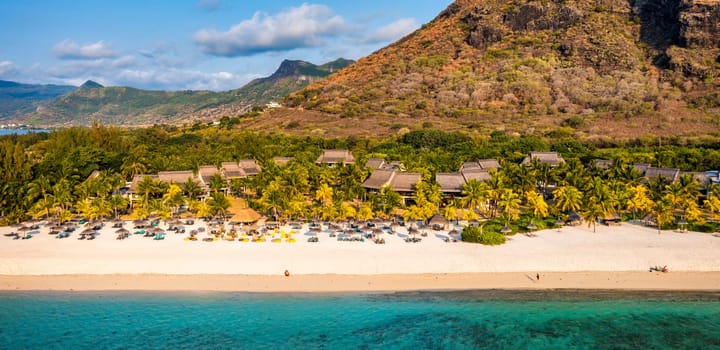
335,156
478,171
401,182
451,184
552,159
379,163
669,174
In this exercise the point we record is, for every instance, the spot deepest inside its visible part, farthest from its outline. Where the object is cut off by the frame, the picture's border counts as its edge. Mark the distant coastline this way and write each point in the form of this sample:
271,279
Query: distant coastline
20,131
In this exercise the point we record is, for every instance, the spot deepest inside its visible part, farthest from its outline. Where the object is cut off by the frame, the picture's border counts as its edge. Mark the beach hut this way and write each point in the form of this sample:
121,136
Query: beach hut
574,219
438,222
245,216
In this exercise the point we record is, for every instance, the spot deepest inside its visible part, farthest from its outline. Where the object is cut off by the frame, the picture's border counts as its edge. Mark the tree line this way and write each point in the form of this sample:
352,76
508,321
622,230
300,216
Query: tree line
47,175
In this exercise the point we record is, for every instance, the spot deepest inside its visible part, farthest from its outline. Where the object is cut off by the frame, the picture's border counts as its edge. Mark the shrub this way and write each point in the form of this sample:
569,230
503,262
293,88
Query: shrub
476,235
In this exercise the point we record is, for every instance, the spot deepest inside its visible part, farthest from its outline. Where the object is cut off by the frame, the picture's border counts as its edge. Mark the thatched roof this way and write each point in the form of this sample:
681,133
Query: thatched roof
249,166
206,172
405,182
450,182
136,180
641,167
469,166
232,170
335,156
551,158
378,179
245,216
176,177
241,212
670,174
476,174
374,163
489,164
438,219
703,178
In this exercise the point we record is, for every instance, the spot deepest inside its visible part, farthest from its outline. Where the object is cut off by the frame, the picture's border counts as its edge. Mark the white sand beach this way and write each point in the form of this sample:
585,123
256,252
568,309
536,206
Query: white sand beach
617,253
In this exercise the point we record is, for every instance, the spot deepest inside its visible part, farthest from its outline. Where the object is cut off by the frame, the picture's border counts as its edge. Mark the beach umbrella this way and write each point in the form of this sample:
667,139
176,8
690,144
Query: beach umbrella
122,231
531,227
88,231
505,230
24,228
157,230
559,223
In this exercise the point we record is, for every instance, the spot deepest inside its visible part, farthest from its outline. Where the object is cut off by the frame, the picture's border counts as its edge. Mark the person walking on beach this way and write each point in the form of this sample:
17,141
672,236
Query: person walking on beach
537,276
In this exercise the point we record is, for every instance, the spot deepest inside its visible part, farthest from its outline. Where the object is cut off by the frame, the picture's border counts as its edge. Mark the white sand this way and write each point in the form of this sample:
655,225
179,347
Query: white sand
574,249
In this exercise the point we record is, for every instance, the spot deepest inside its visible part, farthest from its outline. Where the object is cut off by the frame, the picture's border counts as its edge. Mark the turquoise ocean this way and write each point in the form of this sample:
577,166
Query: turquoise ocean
494,319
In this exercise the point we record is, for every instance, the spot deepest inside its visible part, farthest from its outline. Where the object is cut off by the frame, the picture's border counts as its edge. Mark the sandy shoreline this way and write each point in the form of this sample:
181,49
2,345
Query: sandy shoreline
679,281
615,257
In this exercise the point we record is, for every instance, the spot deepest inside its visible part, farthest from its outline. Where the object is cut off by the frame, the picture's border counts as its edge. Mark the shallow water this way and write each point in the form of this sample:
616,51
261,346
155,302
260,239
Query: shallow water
453,320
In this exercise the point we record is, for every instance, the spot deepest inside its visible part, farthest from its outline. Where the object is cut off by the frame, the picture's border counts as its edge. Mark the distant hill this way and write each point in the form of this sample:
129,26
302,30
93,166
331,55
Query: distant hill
17,99
592,68
129,106
289,77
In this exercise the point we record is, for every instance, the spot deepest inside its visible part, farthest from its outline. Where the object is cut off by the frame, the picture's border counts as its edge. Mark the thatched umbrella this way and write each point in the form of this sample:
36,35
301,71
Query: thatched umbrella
413,231
24,229
505,230
122,231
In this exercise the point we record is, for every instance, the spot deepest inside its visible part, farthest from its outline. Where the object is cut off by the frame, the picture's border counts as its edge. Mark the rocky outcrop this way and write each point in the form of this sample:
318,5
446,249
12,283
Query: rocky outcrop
700,23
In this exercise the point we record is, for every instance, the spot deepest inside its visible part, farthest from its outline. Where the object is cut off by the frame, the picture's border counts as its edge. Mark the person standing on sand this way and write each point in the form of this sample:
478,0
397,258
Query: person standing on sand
538,276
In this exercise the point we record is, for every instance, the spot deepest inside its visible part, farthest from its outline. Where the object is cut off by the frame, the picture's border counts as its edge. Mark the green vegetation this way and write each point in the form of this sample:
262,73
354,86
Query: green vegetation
47,175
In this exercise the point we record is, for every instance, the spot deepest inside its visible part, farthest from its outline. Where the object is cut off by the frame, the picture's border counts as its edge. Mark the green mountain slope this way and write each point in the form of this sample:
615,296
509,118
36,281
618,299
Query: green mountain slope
129,106
17,99
290,76
608,67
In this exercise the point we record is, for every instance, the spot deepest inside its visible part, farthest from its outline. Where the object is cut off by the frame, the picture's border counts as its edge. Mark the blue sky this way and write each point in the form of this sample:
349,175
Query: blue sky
191,44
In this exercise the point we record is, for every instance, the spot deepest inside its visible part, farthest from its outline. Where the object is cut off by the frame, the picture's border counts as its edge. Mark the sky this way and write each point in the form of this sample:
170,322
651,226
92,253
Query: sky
192,44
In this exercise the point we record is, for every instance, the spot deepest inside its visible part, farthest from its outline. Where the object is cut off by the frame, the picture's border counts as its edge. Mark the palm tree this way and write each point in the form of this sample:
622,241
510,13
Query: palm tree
40,187
135,163
509,205
567,198
218,204
117,202
174,198
536,203
389,200
324,194
663,211
450,212
216,183
273,197
474,194
639,200
192,189
147,188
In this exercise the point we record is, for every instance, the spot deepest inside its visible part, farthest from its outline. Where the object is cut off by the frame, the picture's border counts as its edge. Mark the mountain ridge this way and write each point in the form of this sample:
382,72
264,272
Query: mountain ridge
19,98
121,105
607,66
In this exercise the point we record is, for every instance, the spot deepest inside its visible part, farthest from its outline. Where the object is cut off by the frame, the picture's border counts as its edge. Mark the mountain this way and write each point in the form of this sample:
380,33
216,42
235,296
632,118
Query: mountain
17,99
590,68
113,105
289,77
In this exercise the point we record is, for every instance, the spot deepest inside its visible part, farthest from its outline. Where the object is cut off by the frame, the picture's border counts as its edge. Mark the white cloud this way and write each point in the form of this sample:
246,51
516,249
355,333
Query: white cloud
68,49
295,27
393,31
7,69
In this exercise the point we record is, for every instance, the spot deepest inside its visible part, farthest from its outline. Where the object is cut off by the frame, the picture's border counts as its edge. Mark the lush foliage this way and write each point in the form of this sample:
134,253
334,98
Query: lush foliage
48,175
